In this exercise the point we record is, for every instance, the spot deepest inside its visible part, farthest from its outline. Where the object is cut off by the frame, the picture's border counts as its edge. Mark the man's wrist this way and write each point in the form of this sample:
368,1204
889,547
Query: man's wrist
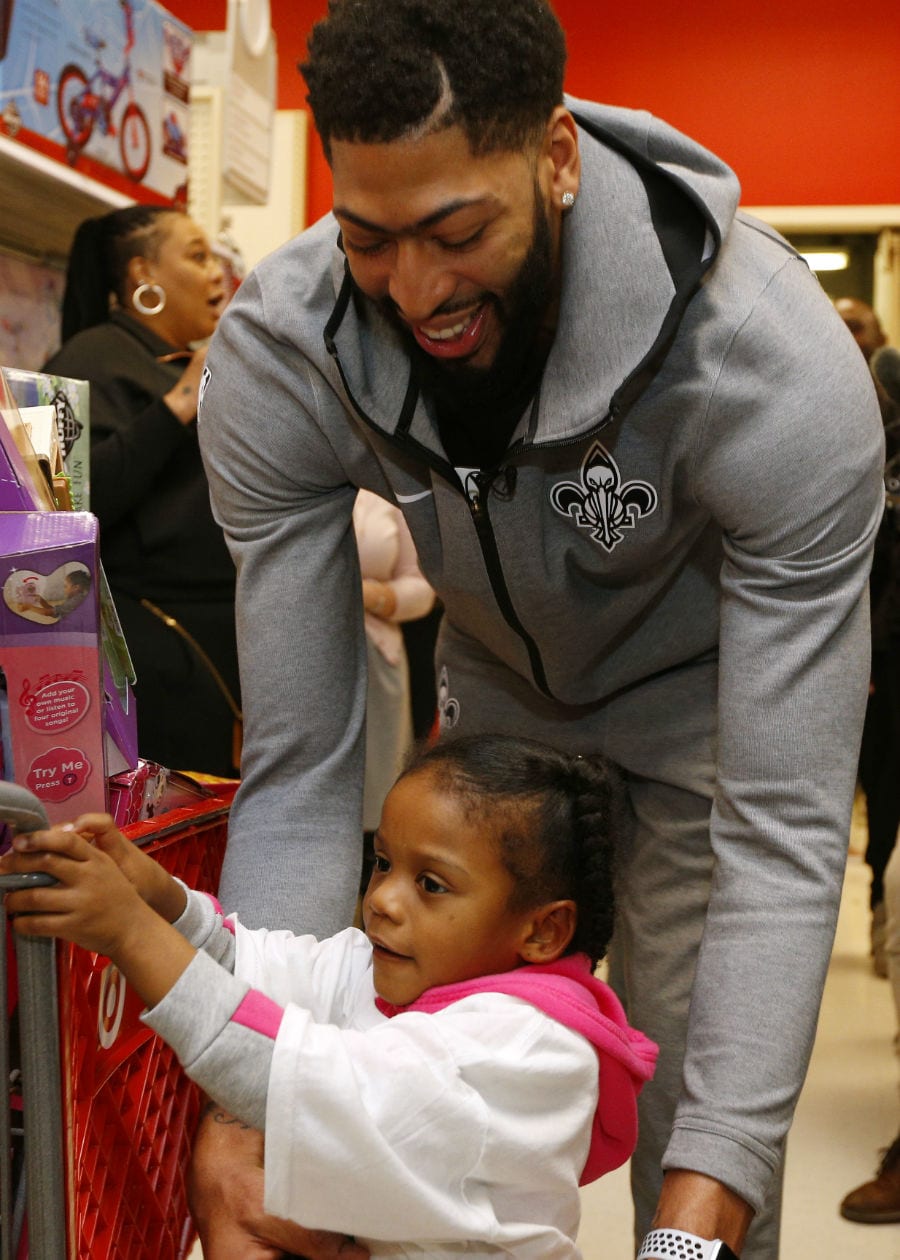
677,1244
698,1204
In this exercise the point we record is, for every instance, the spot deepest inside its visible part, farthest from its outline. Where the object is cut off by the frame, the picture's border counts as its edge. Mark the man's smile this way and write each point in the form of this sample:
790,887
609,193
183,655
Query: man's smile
454,340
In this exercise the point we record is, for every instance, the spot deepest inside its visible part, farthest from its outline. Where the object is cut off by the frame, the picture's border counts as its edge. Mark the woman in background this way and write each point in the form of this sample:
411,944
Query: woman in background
142,288
394,591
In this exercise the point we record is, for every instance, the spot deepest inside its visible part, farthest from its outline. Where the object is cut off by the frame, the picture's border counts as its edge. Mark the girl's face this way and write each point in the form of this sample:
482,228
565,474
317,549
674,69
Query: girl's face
437,907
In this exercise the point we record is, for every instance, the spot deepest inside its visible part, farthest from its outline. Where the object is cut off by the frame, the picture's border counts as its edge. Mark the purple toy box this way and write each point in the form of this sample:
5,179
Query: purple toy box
70,722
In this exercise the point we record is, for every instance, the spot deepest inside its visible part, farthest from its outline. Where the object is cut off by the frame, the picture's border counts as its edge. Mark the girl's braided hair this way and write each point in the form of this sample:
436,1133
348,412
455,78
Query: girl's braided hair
556,819
98,262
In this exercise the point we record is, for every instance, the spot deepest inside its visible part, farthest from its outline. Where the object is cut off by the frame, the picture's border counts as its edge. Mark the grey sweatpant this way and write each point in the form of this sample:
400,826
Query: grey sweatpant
892,940
663,736
663,890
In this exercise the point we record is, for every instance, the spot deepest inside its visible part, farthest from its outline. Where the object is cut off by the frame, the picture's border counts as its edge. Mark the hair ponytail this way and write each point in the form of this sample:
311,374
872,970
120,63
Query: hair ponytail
599,818
89,280
97,269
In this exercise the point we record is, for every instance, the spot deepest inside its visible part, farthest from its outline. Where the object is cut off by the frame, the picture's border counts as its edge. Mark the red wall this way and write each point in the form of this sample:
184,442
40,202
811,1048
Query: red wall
803,101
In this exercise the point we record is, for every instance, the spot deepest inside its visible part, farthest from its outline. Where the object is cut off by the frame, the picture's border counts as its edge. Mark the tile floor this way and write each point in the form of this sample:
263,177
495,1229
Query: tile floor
849,1109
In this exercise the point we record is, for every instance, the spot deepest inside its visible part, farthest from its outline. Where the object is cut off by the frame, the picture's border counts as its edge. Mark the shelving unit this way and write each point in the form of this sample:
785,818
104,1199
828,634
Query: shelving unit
44,201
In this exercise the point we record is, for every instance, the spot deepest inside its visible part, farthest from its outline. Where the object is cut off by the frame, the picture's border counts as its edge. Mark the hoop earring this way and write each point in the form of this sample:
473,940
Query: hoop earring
137,299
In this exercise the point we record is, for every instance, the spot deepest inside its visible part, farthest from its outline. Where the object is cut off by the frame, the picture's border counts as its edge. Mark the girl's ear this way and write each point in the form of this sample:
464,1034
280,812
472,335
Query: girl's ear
550,932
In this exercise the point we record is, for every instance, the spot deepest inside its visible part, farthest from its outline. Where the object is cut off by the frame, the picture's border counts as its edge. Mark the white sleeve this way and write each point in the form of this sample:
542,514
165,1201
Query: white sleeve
223,1027
331,979
414,1129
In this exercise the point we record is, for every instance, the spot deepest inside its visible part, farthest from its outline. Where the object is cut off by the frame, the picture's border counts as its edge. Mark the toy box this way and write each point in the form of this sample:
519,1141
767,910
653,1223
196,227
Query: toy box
22,482
70,400
103,86
70,722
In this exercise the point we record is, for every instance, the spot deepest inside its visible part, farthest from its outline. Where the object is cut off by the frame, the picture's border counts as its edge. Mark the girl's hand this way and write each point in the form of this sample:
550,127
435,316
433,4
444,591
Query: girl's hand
93,903
153,884
99,901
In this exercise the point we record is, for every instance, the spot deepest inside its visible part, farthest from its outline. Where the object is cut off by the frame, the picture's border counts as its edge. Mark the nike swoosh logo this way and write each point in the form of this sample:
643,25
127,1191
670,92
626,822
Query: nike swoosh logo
414,498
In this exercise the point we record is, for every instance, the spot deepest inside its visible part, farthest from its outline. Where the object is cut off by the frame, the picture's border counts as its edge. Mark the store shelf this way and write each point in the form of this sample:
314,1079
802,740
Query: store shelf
44,201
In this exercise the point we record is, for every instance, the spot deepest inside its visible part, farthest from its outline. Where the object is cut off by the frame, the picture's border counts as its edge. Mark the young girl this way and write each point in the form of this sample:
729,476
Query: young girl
430,1084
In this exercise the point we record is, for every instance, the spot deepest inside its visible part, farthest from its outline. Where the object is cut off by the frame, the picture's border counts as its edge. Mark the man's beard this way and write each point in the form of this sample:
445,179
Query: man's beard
460,388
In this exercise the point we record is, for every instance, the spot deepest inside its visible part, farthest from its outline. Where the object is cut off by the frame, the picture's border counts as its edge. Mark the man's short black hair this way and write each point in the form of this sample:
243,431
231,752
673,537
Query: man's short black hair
379,70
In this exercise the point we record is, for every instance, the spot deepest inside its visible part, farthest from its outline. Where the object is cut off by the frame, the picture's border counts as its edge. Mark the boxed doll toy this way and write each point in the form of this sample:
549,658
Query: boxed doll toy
68,725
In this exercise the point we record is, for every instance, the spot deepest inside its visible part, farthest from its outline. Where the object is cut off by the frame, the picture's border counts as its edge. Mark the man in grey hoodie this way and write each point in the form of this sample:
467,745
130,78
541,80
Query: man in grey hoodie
641,459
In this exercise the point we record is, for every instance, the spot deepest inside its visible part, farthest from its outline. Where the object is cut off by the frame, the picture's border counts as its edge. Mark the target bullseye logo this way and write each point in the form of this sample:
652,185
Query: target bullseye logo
111,1006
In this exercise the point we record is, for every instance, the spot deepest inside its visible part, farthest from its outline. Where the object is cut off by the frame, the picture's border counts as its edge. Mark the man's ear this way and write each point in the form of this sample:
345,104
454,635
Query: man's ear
550,931
562,155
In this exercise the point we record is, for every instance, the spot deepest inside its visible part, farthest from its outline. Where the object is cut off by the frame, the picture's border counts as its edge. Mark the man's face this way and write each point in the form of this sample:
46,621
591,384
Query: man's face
460,251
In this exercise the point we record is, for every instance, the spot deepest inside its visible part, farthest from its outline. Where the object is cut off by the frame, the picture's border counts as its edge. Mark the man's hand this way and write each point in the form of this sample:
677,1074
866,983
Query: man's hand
226,1198
701,1205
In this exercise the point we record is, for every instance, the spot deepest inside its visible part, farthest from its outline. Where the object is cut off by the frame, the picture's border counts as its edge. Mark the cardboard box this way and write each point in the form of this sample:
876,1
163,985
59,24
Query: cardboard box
67,721
71,400
22,483
150,790
103,87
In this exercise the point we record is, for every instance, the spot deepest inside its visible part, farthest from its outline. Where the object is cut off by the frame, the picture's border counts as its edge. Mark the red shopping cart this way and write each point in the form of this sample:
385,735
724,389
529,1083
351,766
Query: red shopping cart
96,1168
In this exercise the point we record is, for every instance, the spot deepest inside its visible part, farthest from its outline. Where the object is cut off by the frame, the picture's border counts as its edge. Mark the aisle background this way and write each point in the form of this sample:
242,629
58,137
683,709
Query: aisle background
801,97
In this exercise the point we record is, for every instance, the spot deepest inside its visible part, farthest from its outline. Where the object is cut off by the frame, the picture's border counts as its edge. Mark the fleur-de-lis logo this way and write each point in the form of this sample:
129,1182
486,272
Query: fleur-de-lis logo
601,502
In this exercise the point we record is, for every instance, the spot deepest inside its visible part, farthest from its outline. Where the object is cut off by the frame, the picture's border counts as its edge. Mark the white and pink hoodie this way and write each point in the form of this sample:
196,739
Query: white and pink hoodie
461,1125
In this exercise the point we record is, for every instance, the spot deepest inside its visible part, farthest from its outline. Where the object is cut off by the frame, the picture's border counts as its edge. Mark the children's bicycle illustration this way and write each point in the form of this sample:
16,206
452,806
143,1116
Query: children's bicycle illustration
84,102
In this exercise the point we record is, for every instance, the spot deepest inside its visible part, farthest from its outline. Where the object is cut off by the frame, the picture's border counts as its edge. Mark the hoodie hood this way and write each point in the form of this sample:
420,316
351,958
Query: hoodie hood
671,203
567,991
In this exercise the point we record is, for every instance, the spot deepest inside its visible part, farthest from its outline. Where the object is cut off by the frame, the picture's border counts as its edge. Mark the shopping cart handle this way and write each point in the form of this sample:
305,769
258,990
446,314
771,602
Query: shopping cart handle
20,808
44,1177
31,879
22,811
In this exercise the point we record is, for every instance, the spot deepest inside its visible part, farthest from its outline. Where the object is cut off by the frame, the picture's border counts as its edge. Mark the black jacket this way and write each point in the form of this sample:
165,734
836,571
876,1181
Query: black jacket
158,538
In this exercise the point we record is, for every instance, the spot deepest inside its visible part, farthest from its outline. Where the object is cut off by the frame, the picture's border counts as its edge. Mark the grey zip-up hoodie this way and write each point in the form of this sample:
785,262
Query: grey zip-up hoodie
670,567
